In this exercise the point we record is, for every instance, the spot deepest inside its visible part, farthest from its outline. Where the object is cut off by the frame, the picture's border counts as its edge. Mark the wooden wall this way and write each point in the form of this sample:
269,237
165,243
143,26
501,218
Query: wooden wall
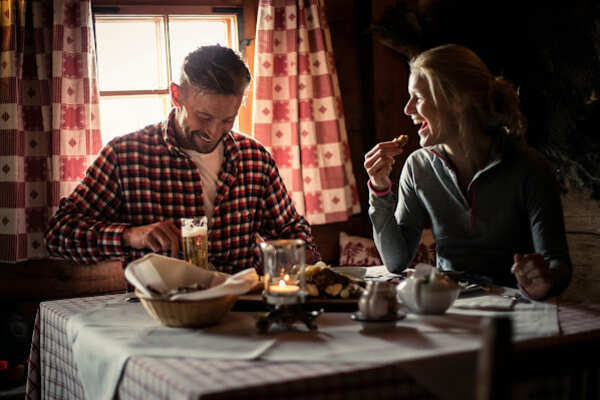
582,223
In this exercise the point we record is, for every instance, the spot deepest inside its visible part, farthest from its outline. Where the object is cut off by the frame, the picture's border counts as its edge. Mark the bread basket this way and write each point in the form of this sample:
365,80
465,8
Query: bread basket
187,313
154,276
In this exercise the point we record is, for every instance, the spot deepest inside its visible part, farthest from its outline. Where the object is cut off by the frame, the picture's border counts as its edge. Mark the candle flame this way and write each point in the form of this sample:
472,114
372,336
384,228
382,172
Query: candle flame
286,277
282,283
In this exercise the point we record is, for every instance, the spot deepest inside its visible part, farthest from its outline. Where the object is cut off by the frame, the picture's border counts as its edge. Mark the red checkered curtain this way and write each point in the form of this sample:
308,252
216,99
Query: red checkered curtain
298,111
49,130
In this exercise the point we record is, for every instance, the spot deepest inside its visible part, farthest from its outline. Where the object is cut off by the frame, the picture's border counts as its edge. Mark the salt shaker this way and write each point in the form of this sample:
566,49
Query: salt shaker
378,300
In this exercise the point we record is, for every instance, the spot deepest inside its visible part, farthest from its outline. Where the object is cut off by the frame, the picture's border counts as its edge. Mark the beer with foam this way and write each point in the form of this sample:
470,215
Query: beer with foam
194,237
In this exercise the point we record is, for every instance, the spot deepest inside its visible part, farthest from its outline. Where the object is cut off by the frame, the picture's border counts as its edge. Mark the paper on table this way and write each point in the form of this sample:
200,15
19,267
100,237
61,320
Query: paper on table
164,273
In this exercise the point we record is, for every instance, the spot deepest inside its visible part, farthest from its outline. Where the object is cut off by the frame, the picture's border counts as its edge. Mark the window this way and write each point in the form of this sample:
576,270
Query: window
139,54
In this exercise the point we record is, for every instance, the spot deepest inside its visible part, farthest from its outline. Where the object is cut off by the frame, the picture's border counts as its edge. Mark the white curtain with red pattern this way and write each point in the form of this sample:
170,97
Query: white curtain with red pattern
49,118
298,111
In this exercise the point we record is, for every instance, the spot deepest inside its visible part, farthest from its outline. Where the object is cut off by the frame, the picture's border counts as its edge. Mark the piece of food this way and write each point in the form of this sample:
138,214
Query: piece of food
333,290
345,293
324,282
312,290
401,140
311,270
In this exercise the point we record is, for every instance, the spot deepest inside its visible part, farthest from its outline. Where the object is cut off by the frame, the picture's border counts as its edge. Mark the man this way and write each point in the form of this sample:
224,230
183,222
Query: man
192,164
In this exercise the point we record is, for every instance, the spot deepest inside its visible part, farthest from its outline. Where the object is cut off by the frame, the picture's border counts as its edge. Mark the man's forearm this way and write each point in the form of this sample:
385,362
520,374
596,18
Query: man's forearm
76,238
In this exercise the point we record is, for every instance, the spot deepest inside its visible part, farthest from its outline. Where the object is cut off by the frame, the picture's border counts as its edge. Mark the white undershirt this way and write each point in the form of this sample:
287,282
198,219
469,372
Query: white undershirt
209,166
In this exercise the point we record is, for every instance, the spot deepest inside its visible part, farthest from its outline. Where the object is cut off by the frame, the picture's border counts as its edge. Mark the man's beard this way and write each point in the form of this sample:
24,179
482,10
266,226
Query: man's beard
202,135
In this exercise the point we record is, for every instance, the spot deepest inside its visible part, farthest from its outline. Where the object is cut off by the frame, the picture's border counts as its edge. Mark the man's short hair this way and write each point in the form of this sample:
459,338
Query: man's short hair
217,69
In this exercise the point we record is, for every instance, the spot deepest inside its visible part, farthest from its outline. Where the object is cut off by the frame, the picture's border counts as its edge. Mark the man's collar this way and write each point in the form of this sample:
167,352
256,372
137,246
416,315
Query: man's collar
169,134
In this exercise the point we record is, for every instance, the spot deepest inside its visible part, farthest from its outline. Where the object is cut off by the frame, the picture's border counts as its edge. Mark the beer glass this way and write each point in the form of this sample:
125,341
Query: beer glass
194,237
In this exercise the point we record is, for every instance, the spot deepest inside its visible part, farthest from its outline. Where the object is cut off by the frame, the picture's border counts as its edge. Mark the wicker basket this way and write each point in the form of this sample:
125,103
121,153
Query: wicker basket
184,313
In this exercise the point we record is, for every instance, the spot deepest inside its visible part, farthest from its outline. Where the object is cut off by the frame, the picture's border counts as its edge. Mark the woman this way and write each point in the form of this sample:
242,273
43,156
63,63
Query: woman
492,202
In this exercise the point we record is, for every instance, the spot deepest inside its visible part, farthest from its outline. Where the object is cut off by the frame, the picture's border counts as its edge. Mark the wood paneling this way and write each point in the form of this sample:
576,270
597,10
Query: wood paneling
582,223
39,280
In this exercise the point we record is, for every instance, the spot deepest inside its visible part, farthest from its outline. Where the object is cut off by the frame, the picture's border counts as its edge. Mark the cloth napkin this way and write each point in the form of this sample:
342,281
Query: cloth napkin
164,273
105,338
237,284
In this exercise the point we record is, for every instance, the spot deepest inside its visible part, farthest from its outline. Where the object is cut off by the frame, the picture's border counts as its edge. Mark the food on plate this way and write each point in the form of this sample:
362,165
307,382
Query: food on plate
401,140
324,282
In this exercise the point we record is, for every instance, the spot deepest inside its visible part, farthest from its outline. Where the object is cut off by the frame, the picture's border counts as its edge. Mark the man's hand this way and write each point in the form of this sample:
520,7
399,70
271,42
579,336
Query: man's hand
160,236
533,274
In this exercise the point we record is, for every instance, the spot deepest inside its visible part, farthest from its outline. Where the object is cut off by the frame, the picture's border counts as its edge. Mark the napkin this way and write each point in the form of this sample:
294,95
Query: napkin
163,273
237,284
104,338
487,302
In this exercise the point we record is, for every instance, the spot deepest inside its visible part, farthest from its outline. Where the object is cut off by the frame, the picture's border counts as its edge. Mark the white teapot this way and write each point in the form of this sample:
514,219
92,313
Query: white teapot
427,291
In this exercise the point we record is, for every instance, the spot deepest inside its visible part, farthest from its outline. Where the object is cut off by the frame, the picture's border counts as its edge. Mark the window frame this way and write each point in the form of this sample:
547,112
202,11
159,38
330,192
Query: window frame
243,10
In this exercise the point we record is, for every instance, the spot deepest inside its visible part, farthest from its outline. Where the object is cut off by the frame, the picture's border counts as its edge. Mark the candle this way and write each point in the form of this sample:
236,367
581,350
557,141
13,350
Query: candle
284,289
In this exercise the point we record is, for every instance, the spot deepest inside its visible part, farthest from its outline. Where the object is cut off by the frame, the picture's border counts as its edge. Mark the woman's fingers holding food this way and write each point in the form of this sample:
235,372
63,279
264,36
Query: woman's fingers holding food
391,148
379,165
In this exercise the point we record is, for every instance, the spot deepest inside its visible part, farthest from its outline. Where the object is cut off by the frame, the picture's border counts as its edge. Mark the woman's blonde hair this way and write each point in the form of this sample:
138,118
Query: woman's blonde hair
482,101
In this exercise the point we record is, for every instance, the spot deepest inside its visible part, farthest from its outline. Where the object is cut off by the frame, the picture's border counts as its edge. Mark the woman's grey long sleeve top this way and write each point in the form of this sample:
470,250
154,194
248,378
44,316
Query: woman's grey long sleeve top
512,205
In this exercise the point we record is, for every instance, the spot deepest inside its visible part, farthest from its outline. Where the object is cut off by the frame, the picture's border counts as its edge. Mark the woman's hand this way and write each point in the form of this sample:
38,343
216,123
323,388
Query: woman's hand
533,274
379,162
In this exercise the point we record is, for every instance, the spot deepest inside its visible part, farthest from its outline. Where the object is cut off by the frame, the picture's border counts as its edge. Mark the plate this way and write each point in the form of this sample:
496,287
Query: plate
358,317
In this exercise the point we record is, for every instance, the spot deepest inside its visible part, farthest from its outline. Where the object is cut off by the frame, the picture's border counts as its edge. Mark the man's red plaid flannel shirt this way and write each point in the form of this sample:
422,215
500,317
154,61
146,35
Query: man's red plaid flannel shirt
145,177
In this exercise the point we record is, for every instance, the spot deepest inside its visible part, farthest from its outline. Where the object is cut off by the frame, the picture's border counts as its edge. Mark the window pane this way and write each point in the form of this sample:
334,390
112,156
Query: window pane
131,54
188,33
121,115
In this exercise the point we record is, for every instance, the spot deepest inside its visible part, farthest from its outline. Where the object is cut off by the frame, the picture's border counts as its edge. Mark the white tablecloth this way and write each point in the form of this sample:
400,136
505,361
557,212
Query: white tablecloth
103,339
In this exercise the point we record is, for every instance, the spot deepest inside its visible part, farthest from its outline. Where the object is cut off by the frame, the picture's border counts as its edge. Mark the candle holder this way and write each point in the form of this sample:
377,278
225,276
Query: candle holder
285,284
283,262
285,316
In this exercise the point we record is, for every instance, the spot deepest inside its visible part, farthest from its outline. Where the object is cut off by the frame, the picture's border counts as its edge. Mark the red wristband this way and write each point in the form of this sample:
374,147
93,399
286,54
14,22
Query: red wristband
525,291
378,193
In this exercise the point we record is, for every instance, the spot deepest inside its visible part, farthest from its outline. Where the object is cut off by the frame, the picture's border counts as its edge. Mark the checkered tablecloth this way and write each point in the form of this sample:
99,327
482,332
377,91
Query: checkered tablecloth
53,373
